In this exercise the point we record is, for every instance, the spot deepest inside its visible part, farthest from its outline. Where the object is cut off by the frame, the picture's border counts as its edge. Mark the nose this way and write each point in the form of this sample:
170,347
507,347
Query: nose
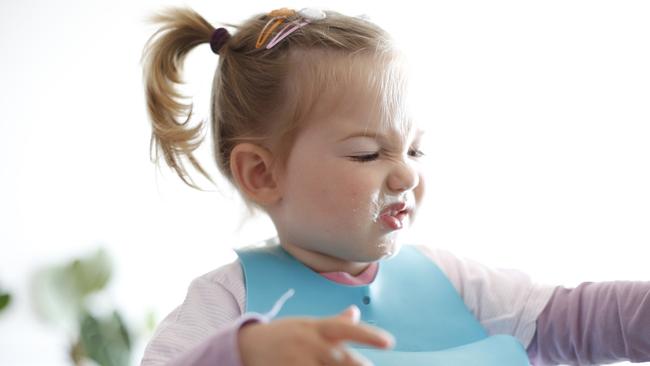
403,177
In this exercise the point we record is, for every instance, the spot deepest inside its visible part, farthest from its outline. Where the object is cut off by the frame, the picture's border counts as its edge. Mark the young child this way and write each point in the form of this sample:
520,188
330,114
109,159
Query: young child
311,125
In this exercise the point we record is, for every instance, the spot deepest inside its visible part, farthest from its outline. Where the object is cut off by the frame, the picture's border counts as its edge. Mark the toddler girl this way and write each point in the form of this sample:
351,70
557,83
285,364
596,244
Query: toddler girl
310,123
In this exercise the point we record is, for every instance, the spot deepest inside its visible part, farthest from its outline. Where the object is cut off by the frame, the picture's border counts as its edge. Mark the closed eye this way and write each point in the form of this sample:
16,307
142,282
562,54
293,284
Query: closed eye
365,158
416,153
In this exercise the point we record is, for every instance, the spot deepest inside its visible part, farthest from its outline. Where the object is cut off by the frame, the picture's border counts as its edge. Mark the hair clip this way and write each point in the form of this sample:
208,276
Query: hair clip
278,16
307,16
312,14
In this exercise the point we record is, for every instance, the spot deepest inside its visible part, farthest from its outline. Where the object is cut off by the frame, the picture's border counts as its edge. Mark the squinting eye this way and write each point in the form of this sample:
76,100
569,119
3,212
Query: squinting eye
364,158
416,153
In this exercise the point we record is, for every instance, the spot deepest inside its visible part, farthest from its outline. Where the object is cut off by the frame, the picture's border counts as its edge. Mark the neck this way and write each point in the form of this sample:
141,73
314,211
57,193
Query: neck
320,262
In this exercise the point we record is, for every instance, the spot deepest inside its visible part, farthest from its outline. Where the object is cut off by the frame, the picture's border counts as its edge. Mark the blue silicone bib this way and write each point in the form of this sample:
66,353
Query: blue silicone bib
410,298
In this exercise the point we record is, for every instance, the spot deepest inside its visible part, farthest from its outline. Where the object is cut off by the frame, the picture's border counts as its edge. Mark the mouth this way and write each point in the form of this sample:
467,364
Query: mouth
394,215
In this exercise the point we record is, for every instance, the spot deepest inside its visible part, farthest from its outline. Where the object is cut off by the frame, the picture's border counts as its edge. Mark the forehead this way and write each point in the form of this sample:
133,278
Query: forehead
353,92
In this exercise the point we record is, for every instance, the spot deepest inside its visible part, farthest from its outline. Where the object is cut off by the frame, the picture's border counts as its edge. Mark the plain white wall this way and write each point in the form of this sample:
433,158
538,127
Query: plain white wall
538,119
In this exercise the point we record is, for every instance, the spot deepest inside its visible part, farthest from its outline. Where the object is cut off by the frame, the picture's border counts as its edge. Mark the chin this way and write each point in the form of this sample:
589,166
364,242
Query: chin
380,252
388,250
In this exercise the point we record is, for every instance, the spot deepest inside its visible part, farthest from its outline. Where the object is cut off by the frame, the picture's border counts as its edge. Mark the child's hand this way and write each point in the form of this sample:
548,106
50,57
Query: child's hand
309,342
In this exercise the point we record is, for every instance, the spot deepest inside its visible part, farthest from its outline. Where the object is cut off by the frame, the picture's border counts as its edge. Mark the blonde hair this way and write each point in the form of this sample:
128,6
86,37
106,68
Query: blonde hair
258,95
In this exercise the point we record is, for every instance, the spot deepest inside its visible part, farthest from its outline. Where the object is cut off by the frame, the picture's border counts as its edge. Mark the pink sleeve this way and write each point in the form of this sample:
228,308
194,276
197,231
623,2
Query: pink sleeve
219,349
594,323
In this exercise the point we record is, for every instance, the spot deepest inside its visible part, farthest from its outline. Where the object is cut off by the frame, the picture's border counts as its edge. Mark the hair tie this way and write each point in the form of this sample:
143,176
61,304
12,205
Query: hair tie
219,37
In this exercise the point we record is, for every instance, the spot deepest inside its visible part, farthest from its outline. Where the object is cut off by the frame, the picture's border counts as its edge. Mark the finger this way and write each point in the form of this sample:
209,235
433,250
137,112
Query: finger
336,330
342,356
354,358
322,352
352,313
331,354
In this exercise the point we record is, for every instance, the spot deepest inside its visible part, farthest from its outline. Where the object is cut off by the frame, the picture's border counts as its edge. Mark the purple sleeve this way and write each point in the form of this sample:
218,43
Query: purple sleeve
594,323
220,349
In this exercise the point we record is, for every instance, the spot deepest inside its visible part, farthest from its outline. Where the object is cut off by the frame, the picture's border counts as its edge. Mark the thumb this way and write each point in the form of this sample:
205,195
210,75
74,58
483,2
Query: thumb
352,313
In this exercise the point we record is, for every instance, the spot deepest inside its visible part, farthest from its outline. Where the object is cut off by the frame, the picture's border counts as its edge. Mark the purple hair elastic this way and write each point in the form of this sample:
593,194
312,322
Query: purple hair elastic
219,37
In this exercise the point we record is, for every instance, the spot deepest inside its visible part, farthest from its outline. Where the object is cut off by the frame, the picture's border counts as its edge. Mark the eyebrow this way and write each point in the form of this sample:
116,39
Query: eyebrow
376,135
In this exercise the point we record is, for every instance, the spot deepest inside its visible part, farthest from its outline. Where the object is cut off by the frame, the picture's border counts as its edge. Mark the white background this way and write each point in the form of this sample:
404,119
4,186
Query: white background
538,119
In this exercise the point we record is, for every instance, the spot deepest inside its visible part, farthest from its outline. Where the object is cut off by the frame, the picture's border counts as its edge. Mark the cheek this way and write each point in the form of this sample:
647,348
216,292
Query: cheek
342,198
345,199
420,189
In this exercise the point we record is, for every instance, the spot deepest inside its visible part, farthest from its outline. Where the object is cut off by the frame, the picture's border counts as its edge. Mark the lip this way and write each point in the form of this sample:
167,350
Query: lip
395,208
393,216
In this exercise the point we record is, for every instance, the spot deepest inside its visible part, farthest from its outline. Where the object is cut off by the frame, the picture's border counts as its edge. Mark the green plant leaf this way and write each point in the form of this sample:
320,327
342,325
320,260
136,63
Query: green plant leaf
55,298
90,274
5,299
60,291
150,321
105,340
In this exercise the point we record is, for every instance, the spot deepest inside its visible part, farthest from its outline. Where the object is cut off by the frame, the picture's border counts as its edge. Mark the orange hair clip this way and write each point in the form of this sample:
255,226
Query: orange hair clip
278,17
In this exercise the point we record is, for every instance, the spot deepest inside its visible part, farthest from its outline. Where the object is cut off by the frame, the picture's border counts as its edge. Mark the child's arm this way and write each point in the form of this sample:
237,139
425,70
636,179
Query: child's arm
310,341
220,348
594,323
288,341
505,301
208,328
211,313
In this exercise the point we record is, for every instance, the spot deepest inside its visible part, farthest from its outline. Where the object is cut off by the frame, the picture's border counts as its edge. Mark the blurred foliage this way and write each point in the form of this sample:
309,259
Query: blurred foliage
150,322
5,299
61,292
105,340
62,296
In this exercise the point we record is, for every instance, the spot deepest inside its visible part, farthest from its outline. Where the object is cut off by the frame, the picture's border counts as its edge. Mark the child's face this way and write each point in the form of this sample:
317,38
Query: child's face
341,176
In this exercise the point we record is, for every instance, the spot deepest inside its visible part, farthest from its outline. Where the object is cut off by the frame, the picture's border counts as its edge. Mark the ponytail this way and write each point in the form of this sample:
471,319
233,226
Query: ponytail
260,95
181,30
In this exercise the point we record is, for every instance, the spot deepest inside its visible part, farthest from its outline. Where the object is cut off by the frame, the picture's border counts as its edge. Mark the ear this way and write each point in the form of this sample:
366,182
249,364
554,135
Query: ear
252,169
